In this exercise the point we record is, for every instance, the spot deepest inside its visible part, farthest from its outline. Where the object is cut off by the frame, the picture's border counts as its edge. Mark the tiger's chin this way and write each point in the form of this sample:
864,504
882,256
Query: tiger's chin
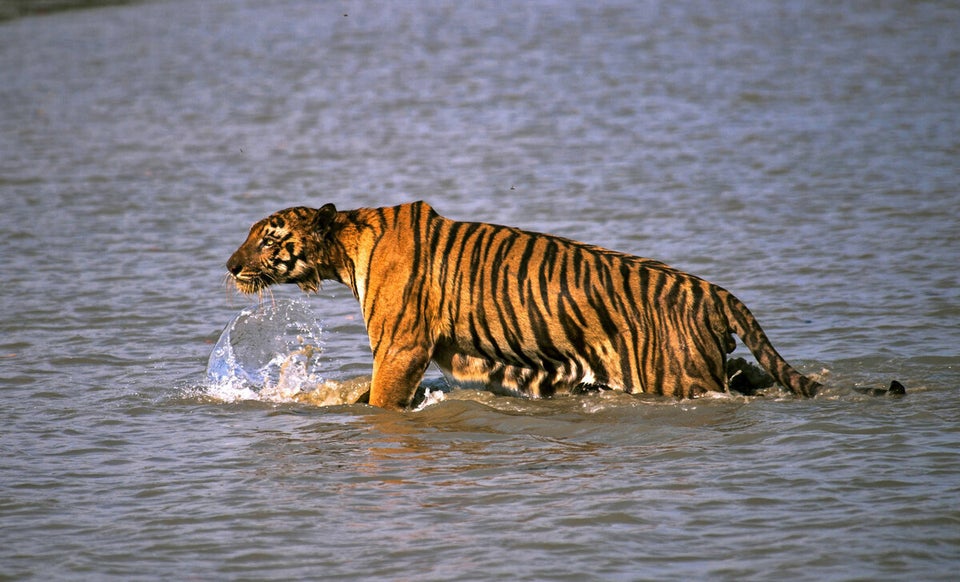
307,279
308,285
250,286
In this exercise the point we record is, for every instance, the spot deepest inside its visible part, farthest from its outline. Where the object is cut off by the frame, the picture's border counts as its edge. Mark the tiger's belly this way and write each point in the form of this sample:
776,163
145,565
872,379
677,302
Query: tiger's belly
542,380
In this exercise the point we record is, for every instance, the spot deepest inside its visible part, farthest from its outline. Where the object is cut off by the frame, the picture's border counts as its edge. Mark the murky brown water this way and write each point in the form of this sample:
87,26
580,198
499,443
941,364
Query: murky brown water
802,154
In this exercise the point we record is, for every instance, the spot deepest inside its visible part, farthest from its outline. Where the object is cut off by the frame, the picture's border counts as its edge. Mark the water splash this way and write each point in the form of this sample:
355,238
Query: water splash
271,352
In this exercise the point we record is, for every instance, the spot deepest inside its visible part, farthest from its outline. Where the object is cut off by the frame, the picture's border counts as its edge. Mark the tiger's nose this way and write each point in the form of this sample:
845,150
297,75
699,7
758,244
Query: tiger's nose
234,266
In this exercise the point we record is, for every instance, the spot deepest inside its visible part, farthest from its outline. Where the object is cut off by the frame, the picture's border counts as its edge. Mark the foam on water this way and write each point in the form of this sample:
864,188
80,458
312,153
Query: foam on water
431,397
271,352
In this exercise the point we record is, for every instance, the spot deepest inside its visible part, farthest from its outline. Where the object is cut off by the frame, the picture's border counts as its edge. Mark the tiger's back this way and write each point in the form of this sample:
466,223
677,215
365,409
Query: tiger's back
526,312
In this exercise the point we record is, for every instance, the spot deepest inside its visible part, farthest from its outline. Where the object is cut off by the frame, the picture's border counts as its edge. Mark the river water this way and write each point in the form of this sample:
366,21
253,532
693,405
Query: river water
803,154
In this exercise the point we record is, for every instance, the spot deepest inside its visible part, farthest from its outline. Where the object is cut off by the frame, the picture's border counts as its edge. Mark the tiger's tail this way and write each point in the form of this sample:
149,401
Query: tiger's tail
745,325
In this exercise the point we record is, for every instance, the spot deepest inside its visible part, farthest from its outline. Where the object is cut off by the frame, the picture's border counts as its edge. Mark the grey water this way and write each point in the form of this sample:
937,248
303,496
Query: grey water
803,154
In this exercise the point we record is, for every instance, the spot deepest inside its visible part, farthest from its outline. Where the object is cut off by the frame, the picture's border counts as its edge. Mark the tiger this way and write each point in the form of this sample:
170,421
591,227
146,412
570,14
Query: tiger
506,309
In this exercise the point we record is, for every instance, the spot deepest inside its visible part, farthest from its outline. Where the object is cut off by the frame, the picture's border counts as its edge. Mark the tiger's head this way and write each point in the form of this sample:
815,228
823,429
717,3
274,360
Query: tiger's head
284,247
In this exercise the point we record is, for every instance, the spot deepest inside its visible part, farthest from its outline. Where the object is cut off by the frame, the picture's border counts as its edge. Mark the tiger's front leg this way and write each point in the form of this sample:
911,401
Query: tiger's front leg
397,373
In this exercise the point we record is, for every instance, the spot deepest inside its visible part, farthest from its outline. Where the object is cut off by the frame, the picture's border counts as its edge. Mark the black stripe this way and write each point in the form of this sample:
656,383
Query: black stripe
546,346
416,278
523,268
577,260
548,264
477,272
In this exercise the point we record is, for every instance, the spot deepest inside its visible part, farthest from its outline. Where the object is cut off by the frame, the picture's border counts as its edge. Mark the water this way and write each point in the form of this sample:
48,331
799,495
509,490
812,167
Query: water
802,154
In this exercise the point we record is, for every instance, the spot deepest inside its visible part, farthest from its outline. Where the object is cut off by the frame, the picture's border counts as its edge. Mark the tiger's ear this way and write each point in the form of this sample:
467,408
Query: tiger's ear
323,219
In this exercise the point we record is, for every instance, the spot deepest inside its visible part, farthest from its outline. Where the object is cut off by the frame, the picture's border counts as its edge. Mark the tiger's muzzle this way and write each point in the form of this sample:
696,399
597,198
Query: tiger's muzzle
247,280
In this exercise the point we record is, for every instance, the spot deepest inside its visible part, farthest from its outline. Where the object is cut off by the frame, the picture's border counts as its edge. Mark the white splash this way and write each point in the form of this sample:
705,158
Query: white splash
269,352
431,397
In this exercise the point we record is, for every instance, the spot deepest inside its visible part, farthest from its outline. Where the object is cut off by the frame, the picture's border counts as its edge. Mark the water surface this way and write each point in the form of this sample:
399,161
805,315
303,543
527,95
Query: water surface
803,155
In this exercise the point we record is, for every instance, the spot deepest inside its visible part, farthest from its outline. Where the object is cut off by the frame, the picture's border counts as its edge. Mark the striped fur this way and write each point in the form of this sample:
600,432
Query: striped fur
507,309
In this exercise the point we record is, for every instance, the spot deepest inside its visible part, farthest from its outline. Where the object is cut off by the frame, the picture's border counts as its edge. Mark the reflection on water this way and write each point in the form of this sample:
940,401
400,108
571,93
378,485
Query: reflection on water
801,154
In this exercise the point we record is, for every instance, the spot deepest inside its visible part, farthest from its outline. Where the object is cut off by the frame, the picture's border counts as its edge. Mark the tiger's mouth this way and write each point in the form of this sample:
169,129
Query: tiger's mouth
248,282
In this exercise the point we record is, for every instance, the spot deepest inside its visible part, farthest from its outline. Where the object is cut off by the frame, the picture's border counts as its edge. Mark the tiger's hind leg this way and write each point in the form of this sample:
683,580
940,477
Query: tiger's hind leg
747,378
